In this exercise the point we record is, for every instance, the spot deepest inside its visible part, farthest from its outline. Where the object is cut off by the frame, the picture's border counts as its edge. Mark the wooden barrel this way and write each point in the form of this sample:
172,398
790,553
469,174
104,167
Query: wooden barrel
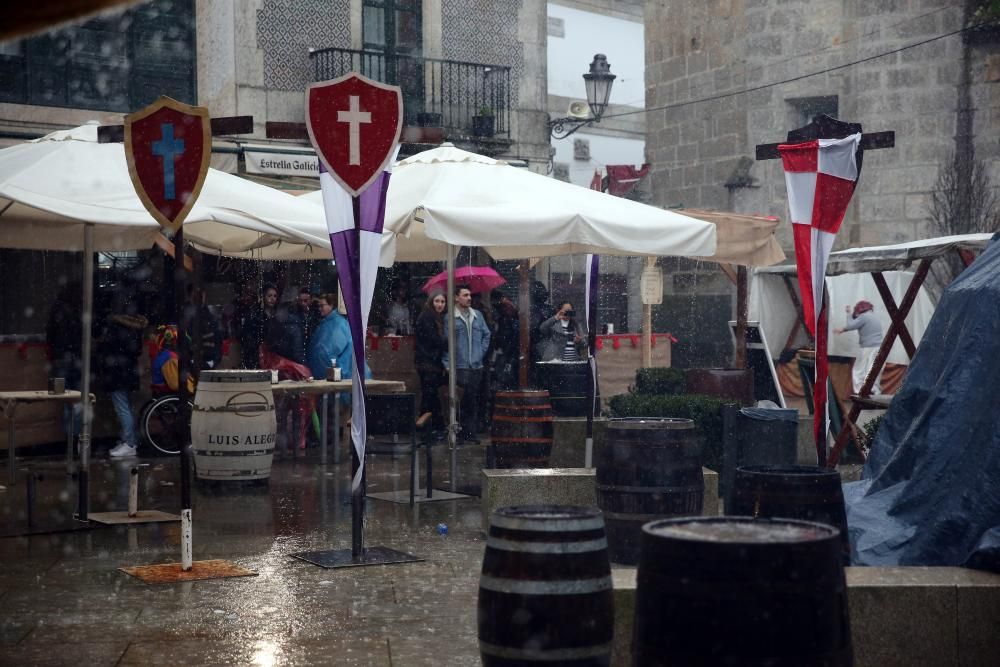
648,469
521,432
567,385
233,425
731,383
545,593
741,591
809,493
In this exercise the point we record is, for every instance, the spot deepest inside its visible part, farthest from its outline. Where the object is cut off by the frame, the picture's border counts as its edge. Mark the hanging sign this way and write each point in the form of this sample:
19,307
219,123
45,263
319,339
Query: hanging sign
168,146
348,113
651,286
281,164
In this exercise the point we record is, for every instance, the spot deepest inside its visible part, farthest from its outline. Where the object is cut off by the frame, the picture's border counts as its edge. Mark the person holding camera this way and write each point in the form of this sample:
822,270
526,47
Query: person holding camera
563,338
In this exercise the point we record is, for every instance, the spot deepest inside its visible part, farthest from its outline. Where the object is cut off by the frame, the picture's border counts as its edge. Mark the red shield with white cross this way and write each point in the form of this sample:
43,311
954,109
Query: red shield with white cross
168,146
354,125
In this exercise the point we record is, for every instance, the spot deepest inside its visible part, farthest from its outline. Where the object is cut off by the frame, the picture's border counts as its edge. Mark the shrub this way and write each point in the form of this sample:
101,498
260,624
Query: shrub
705,411
868,433
659,381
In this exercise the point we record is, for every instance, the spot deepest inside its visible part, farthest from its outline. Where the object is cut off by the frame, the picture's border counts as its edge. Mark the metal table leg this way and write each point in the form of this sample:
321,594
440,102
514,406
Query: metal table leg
323,432
336,427
11,449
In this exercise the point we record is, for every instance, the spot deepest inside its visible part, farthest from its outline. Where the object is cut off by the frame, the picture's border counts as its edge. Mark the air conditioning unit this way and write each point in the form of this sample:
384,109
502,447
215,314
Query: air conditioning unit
578,110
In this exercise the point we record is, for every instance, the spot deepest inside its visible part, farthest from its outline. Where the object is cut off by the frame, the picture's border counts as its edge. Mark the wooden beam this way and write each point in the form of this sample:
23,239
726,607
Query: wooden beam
797,303
869,141
524,325
742,308
222,126
729,271
280,130
890,306
167,246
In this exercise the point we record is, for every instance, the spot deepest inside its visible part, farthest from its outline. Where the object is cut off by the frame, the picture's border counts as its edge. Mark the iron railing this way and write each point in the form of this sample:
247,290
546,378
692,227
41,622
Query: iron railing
436,92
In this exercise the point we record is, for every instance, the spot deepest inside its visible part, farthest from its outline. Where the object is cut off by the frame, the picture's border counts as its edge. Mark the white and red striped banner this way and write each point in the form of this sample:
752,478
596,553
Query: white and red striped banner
820,176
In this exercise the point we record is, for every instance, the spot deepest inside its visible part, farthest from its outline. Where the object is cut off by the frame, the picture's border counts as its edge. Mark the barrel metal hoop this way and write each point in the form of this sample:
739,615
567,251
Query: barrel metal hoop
535,587
645,518
245,407
545,655
548,526
585,546
690,488
501,439
521,420
235,453
521,408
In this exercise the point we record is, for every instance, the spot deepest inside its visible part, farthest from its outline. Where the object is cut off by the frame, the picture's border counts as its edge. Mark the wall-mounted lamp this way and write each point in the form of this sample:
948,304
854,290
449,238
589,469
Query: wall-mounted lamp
598,84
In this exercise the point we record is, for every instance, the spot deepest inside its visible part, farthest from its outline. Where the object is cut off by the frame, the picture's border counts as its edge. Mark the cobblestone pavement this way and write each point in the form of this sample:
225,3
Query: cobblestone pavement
64,602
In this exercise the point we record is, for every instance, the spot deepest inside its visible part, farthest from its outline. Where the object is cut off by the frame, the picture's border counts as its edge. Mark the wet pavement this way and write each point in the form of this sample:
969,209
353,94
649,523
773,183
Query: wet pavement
64,602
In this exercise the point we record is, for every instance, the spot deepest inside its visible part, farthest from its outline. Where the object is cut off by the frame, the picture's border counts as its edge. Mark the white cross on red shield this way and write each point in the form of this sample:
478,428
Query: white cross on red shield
168,146
354,125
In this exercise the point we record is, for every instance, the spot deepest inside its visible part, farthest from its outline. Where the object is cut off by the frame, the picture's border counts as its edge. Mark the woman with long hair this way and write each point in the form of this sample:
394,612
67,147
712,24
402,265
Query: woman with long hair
430,345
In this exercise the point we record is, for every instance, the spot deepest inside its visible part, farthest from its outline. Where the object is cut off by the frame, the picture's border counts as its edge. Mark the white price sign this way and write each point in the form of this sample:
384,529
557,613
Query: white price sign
651,286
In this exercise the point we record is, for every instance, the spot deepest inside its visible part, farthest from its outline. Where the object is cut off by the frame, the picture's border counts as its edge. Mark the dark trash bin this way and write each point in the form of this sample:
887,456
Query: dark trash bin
756,436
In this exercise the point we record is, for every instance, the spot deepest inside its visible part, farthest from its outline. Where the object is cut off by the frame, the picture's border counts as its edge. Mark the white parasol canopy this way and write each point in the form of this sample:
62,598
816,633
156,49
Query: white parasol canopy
52,187
465,199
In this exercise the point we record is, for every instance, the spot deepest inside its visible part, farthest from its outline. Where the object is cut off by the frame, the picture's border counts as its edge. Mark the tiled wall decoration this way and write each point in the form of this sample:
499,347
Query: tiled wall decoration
287,29
483,31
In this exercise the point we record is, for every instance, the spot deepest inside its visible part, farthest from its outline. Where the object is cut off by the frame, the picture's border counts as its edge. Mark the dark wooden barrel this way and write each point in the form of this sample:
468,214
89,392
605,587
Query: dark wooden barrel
741,591
545,593
809,493
567,385
731,383
648,469
521,433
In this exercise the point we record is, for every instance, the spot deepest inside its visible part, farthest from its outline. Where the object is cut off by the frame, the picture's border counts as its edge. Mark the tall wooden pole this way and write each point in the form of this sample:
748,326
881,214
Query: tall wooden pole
742,307
524,326
647,325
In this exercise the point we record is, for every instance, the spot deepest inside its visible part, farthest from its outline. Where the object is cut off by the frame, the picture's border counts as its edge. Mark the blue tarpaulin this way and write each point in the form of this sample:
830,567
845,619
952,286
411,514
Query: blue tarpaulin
930,491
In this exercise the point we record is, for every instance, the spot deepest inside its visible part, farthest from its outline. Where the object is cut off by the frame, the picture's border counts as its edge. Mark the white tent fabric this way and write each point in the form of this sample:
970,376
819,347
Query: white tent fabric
50,187
892,257
449,196
771,305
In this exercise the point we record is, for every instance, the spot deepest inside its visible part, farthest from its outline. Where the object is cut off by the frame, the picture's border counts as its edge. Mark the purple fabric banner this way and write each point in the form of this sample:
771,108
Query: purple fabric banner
356,236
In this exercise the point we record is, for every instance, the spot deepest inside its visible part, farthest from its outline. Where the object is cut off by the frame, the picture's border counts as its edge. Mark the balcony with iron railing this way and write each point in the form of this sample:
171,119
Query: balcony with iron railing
450,94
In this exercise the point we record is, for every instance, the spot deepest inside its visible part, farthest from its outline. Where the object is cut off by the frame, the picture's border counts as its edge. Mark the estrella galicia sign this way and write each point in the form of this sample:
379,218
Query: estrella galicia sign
168,146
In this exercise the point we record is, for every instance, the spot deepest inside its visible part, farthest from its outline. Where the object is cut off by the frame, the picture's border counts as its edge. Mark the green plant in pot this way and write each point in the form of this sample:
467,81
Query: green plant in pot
484,122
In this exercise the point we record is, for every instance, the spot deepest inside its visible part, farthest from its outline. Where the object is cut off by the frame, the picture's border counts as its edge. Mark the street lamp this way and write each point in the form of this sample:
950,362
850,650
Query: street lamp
598,84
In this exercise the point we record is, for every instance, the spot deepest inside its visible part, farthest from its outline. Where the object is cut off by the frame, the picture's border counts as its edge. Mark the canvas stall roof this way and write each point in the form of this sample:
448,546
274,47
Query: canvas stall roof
891,257
746,240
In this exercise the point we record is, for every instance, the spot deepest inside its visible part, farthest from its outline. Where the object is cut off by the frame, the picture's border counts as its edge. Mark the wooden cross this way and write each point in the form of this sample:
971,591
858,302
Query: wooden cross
826,127
224,125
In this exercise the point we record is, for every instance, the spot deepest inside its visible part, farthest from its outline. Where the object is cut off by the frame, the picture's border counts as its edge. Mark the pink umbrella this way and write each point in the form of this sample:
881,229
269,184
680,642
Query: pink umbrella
478,278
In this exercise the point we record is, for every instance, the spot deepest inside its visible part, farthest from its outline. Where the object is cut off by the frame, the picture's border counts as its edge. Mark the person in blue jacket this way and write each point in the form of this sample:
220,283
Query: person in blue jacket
472,339
332,340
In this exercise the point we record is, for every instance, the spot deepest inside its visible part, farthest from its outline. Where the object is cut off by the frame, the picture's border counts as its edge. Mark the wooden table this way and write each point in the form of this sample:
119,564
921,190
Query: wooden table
9,400
325,388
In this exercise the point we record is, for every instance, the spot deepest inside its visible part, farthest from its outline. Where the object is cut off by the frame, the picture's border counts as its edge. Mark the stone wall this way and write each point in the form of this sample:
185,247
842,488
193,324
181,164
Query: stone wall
704,50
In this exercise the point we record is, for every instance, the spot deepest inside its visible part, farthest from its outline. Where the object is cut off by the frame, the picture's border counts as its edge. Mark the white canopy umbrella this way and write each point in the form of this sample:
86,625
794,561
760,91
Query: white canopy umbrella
446,197
51,189
65,191
465,199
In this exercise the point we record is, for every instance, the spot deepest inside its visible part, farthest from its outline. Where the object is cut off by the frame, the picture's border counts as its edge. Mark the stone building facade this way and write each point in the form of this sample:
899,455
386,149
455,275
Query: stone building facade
253,58
708,69
715,49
